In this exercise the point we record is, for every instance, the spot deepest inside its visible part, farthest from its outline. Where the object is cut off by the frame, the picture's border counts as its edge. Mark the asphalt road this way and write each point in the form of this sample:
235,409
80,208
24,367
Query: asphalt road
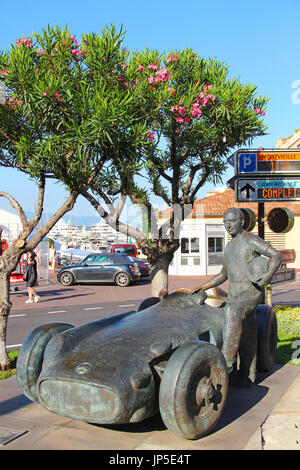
84,303
20,324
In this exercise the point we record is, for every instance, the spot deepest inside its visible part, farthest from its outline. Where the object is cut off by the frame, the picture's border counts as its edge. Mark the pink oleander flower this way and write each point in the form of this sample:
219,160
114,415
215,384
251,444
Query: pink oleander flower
171,89
207,99
77,53
259,111
162,75
140,68
4,72
45,93
153,66
74,40
179,119
36,71
151,136
151,79
58,96
195,110
13,103
206,88
172,58
25,41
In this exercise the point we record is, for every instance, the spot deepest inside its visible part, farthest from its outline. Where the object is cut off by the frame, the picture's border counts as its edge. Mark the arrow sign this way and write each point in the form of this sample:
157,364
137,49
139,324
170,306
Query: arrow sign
267,189
247,188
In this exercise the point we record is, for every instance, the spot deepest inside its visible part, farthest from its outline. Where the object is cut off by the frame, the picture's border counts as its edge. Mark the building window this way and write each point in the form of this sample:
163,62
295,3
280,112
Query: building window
196,261
190,245
215,250
185,245
184,261
195,245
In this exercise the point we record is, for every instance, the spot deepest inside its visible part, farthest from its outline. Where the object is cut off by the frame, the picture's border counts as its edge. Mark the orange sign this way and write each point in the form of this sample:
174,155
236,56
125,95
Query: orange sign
288,256
265,156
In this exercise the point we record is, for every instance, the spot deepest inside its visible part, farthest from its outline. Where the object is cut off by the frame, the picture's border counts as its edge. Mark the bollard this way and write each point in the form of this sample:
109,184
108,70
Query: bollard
269,294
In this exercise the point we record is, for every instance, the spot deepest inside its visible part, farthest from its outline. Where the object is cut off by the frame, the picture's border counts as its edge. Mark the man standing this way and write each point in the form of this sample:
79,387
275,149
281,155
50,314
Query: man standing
239,322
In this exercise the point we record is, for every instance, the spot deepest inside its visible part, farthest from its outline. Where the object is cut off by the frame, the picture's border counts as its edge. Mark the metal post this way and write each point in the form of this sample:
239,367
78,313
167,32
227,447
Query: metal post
261,220
261,234
2,92
269,294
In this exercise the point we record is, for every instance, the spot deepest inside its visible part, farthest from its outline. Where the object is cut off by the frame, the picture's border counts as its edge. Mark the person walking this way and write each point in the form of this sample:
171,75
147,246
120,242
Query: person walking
52,257
31,278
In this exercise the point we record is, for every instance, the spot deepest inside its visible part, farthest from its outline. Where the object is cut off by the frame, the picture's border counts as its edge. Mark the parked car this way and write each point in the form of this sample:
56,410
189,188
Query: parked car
143,266
130,250
125,368
101,267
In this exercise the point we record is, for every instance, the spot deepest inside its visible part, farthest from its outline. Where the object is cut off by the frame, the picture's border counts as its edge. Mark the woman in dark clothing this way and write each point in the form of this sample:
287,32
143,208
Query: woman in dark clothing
31,278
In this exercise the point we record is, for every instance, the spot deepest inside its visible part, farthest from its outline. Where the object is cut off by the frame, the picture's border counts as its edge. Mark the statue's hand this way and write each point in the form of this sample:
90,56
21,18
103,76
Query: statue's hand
201,296
265,280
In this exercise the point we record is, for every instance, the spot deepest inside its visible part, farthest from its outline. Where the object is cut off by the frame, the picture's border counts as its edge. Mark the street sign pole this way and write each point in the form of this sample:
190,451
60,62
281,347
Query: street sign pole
261,220
2,92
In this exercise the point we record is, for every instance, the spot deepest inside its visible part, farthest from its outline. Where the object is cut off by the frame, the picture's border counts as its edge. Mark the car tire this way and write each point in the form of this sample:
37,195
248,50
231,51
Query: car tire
66,278
266,322
122,279
31,355
193,389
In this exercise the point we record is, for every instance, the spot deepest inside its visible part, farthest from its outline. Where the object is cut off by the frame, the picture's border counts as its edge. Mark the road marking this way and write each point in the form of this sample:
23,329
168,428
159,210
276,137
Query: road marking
93,308
57,311
127,305
20,315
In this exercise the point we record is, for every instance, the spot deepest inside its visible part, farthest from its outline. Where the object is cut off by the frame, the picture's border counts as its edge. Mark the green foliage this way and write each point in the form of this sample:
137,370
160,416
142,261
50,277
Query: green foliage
70,108
5,374
288,319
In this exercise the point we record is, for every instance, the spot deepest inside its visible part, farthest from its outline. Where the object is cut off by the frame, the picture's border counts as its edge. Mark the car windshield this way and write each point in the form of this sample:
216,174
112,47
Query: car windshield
124,249
92,260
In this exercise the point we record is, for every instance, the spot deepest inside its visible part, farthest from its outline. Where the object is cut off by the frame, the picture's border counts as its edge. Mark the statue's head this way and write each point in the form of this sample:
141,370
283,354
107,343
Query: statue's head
233,220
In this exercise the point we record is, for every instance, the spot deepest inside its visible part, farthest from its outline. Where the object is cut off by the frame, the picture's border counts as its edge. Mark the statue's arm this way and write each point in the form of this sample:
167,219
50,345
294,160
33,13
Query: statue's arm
275,262
215,281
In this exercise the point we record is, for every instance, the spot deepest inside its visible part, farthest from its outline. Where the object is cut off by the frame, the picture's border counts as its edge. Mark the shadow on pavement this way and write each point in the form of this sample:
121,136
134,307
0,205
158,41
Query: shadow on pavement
8,406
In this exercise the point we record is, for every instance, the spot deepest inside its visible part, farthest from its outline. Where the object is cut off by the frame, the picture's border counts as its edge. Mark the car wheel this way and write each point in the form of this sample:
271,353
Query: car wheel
66,278
31,354
193,389
122,280
266,322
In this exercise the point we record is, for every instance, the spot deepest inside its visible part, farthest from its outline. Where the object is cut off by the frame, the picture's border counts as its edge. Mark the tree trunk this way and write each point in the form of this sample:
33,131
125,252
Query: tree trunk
5,306
159,275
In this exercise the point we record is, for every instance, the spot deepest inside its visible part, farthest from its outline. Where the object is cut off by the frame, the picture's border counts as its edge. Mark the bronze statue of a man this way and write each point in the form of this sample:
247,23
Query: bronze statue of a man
239,328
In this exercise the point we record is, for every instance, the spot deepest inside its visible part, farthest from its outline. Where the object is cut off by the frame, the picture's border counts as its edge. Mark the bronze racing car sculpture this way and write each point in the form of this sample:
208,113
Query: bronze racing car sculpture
166,358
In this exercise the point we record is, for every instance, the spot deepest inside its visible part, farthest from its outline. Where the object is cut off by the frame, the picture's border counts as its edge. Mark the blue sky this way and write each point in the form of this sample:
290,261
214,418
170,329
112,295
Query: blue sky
259,40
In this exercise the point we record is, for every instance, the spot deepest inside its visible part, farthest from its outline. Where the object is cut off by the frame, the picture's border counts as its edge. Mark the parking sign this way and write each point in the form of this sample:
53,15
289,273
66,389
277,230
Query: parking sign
247,162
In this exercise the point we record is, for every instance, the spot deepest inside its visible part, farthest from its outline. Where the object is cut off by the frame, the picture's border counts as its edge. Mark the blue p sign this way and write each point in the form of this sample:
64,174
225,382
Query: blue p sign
247,162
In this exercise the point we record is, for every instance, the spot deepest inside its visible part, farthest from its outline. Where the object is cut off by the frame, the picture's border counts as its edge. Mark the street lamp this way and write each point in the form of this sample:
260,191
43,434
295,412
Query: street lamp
2,92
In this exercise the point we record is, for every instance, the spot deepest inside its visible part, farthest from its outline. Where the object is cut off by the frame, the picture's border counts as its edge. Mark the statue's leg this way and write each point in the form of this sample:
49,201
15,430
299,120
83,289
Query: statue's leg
232,332
248,347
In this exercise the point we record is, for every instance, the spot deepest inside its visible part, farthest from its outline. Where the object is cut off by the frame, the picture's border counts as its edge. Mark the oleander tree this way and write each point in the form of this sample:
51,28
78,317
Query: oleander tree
200,116
67,108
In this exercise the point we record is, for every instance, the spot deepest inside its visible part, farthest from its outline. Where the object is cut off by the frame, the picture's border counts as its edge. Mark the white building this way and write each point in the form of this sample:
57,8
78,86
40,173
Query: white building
11,225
